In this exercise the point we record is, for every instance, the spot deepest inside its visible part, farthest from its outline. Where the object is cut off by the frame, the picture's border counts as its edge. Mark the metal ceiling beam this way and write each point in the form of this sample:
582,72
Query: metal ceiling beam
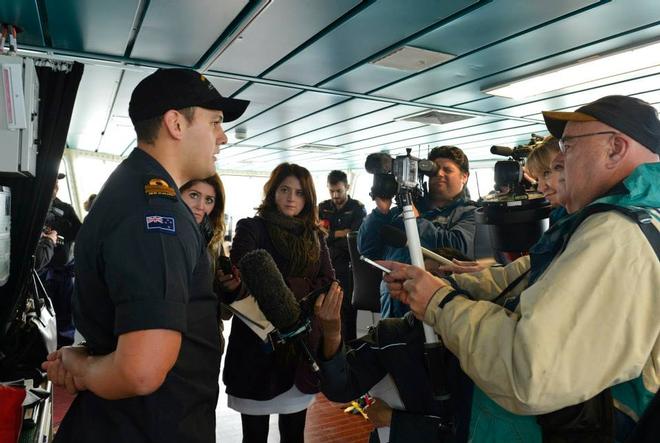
128,63
233,32
112,106
140,14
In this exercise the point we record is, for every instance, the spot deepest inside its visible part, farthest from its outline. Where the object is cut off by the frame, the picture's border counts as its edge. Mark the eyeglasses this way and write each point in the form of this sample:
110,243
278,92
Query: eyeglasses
566,142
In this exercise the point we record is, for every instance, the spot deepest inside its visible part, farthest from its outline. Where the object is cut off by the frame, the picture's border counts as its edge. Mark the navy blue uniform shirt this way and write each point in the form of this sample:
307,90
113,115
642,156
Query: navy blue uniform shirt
349,216
141,263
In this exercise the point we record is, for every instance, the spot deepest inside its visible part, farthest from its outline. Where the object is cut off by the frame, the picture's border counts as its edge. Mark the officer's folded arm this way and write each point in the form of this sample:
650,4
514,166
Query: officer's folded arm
138,366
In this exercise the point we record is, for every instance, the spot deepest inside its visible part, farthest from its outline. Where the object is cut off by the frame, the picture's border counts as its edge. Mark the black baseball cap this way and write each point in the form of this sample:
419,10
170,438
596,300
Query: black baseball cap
179,88
632,116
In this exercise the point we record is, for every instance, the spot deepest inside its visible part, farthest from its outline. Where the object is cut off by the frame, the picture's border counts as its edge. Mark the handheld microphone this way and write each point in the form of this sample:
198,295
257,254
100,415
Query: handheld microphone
278,304
397,238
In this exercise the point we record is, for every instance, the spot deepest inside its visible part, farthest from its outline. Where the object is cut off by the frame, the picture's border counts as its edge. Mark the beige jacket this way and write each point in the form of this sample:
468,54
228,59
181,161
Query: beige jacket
591,321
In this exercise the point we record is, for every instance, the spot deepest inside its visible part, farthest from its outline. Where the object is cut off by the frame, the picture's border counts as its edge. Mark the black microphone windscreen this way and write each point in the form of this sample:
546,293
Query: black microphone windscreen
264,281
501,150
378,163
394,237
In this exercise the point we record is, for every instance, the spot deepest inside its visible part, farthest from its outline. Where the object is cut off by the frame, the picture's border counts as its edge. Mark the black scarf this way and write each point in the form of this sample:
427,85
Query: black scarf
294,241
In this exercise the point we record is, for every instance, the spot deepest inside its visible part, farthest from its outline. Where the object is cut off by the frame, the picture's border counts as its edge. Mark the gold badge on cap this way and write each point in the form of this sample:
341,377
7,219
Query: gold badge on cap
159,187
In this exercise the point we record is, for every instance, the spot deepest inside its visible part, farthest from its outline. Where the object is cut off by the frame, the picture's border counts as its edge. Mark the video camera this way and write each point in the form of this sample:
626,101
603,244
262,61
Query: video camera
509,173
515,212
56,221
403,176
401,173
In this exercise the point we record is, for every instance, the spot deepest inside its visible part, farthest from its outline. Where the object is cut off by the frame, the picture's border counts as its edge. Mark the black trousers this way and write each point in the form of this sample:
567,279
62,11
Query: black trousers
59,285
292,427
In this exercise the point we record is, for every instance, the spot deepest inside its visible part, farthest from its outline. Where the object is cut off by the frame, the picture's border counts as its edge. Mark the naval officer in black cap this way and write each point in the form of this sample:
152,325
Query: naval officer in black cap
144,300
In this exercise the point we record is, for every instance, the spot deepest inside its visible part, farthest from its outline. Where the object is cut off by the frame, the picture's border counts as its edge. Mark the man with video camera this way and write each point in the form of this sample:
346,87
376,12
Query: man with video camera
445,219
57,275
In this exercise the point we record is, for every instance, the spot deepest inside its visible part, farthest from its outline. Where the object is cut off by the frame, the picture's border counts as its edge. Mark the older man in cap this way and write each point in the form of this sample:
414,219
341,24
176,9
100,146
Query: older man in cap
144,300
583,337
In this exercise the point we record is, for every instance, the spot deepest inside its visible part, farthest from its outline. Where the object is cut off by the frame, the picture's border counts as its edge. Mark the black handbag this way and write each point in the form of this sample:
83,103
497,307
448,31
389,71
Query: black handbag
31,335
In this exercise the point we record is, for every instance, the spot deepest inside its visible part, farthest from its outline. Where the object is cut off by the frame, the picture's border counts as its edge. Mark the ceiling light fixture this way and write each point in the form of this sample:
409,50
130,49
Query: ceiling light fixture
410,58
433,117
314,147
591,69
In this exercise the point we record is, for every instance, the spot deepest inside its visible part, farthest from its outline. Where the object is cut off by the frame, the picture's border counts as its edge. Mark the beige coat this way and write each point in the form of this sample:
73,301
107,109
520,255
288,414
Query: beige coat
591,321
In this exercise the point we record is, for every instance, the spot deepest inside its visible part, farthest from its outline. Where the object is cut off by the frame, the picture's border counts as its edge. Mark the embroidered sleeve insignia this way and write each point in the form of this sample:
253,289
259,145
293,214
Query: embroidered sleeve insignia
159,187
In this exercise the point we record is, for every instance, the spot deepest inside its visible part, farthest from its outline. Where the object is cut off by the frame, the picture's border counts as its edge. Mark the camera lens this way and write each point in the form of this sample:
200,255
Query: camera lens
514,225
428,167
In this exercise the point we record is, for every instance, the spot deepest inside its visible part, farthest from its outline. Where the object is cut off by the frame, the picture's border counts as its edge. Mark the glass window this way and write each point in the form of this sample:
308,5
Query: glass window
243,195
64,193
481,182
361,188
90,174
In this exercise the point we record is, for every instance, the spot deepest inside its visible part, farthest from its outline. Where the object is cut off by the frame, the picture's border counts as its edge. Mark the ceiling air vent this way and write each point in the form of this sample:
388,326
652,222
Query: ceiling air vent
314,147
409,58
433,117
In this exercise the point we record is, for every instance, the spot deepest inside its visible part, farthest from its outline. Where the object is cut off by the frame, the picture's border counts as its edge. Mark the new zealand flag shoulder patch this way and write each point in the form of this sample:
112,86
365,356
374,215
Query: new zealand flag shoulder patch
160,223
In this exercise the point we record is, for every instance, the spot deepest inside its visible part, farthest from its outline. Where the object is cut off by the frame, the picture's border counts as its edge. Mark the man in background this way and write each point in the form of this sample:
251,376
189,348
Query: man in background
57,275
341,215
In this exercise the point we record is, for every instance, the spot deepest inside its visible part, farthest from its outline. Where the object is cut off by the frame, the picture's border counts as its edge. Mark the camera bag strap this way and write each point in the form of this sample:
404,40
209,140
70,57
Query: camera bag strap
640,216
